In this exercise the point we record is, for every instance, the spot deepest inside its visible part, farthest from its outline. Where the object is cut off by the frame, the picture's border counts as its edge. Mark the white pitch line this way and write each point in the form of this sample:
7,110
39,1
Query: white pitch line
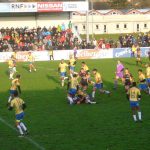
27,138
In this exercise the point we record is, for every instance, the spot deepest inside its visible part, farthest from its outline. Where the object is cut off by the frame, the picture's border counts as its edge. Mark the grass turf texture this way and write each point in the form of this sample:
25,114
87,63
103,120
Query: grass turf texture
55,125
114,37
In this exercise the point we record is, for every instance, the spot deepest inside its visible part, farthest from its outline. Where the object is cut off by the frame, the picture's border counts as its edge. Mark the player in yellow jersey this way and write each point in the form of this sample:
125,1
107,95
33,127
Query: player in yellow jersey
51,54
148,77
134,95
31,60
138,56
19,105
98,84
15,86
62,68
10,67
73,86
85,67
72,63
142,81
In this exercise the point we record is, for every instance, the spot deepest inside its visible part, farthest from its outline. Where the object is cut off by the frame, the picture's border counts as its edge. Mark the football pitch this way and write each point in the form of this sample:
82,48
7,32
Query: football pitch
55,125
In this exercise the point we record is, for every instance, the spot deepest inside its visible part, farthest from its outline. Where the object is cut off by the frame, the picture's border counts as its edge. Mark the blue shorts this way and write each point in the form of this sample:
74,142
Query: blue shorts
63,74
148,80
143,86
12,92
134,104
72,68
98,86
30,63
72,91
20,116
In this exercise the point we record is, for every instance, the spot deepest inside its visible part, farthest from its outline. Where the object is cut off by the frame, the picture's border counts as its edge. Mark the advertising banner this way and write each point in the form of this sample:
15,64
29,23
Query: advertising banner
23,7
126,52
121,52
49,6
145,51
75,6
4,7
23,56
94,54
81,54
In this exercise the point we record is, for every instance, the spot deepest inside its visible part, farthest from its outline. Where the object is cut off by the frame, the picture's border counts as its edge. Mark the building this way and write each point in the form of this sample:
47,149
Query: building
113,21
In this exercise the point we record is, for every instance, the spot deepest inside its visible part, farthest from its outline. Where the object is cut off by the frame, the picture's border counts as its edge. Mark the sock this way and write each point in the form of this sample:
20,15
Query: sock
106,92
23,126
134,117
34,69
65,78
11,76
115,84
62,82
14,69
93,94
140,115
70,100
20,130
9,99
71,75
149,90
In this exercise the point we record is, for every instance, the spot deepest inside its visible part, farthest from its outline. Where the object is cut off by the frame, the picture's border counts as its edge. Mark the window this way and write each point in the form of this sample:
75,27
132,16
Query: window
104,28
125,26
83,27
145,25
117,26
138,26
97,27
114,13
76,27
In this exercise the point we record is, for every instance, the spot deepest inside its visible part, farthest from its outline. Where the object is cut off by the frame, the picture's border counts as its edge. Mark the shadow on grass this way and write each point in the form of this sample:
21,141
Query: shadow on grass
49,77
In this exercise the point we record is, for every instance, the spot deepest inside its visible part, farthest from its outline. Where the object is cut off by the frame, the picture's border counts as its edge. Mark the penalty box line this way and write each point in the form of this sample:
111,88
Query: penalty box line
27,138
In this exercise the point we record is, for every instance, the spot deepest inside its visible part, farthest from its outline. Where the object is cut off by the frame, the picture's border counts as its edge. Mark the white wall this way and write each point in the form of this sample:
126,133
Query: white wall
111,21
51,19
17,21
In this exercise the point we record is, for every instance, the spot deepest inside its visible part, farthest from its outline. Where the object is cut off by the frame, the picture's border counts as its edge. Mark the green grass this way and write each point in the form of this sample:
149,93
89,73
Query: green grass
57,126
107,36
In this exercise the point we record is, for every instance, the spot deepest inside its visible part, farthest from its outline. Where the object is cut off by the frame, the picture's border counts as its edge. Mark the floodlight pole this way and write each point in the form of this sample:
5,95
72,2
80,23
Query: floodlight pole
87,23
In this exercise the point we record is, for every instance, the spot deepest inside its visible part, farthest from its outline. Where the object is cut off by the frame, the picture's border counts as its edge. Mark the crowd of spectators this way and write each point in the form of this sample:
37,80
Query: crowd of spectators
25,39
125,40
59,38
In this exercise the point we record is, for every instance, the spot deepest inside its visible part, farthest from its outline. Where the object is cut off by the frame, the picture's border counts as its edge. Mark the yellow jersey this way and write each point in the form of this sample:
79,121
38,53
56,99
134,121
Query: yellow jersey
82,93
17,103
14,84
10,63
98,78
148,72
51,52
72,62
63,67
30,58
85,67
74,83
134,48
134,93
142,77
14,55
